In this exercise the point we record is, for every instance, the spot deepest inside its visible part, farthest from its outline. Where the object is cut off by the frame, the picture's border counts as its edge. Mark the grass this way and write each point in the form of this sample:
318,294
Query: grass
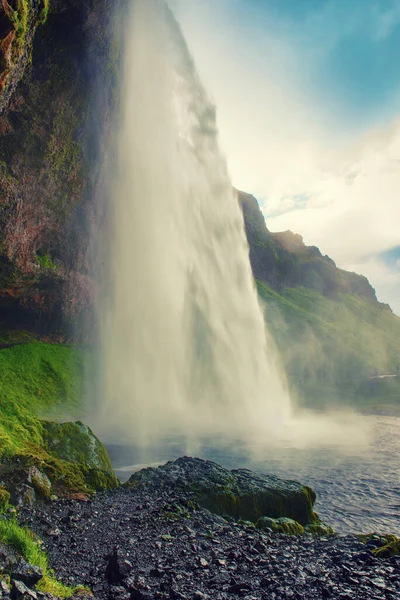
46,380
36,379
23,541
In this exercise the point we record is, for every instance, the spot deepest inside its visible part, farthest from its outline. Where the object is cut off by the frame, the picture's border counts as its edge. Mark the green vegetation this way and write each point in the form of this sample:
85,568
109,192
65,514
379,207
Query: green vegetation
23,541
19,18
336,349
45,262
44,12
36,379
39,379
390,548
281,525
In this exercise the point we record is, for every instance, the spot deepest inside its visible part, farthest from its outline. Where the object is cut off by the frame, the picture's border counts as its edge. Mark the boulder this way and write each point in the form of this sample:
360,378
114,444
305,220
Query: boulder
40,482
239,493
76,443
29,574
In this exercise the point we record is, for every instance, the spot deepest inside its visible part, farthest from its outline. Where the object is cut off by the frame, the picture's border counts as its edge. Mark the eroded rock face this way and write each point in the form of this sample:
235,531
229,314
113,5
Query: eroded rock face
51,129
239,493
19,20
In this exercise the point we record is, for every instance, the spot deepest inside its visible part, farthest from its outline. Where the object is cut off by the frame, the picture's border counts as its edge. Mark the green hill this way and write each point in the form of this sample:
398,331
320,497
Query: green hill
338,344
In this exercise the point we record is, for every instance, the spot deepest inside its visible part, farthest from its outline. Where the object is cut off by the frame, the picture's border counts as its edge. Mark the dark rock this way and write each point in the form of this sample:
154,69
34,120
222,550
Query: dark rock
24,495
27,573
239,493
156,557
20,590
117,569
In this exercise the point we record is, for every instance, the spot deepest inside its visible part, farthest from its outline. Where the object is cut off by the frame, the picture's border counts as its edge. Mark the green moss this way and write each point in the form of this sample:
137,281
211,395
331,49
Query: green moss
318,529
36,379
391,548
281,525
4,498
46,262
39,379
24,542
19,18
44,12
65,476
76,443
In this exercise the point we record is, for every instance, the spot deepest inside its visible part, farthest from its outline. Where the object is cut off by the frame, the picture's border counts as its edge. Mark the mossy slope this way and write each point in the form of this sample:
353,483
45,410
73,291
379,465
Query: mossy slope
37,380
342,350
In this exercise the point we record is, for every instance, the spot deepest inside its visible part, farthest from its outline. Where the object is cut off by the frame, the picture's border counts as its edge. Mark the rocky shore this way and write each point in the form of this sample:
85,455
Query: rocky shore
153,538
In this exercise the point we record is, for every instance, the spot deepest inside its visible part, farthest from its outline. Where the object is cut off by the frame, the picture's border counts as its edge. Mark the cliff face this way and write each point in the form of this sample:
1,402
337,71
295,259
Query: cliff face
49,135
337,343
283,260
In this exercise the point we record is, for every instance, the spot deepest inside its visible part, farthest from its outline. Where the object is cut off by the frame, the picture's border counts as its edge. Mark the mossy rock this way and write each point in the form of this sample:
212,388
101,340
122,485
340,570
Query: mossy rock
281,525
318,529
40,482
239,493
391,548
4,498
66,477
76,443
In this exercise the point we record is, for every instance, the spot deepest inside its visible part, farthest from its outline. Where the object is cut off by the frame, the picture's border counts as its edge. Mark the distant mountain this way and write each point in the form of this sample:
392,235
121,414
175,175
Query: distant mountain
337,342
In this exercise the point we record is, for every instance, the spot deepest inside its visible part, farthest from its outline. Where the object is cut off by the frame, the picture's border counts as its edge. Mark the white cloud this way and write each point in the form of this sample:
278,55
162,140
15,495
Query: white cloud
283,142
353,219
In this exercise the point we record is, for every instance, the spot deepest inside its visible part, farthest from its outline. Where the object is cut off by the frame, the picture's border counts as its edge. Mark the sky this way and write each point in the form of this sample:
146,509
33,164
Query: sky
308,107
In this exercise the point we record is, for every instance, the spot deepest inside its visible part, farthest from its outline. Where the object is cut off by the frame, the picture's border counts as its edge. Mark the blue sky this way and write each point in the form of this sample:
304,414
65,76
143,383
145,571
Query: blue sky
308,104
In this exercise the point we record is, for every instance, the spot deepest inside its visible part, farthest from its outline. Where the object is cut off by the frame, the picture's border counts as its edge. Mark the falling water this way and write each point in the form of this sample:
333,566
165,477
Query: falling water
183,341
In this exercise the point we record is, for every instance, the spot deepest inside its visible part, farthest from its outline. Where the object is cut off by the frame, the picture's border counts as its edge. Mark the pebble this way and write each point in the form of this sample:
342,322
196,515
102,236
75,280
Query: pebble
144,554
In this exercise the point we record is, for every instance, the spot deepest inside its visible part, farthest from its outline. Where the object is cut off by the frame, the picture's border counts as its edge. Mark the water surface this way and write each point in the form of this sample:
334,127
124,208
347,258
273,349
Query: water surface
357,490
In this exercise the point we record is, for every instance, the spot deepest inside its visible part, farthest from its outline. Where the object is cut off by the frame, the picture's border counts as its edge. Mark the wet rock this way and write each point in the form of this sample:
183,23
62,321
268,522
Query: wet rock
24,495
4,588
318,529
239,493
195,555
117,569
29,574
20,590
76,443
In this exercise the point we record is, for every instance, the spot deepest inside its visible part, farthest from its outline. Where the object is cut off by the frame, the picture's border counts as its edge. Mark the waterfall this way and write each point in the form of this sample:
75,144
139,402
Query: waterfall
184,349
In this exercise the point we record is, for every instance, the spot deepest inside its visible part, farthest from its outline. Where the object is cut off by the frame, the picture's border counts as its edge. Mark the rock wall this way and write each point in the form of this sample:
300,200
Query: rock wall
51,128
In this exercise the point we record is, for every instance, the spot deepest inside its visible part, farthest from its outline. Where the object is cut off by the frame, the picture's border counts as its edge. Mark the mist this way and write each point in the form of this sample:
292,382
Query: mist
184,350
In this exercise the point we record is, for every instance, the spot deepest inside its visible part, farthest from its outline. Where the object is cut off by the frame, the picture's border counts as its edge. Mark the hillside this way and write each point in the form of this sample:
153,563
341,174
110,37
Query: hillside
337,342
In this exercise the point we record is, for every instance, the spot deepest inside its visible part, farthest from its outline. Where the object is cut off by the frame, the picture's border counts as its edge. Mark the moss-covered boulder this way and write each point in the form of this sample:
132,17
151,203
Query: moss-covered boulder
239,493
391,547
76,443
39,481
318,529
281,525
